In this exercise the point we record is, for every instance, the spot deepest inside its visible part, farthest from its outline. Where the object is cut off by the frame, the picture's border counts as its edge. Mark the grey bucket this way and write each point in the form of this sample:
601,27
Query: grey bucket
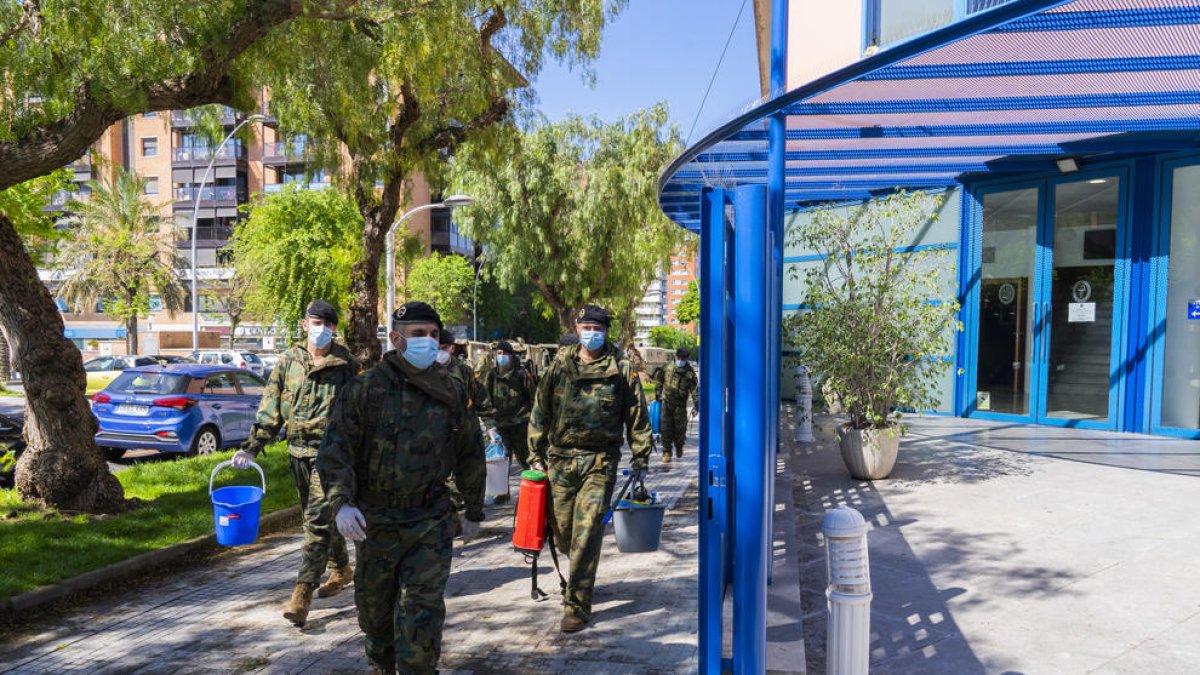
638,526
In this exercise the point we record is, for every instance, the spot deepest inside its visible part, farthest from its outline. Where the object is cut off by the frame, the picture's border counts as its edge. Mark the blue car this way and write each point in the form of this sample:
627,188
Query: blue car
182,408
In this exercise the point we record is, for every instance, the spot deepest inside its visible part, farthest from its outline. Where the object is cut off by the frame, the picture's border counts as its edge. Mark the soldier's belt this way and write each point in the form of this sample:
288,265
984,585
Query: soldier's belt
407,500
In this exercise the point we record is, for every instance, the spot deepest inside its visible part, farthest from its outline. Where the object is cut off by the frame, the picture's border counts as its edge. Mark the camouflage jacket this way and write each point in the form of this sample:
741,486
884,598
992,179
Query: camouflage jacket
674,384
587,407
395,437
461,373
300,394
510,395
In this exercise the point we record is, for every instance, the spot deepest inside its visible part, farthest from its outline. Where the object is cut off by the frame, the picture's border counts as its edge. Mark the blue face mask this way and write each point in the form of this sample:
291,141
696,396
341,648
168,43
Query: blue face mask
421,352
320,336
591,339
503,360
680,364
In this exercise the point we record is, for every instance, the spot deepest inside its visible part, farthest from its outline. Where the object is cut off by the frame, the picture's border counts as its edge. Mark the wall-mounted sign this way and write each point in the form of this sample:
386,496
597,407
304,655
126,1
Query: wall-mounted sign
983,400
1194,310
1081,312
1081,291
1007,294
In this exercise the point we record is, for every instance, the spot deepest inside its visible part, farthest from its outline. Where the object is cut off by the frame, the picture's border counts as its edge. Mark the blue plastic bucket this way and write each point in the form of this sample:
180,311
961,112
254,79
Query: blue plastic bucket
236,509
654,409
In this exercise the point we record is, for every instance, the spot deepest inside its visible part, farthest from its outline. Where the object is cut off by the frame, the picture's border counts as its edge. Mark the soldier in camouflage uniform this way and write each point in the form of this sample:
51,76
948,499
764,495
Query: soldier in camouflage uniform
587,404
476,401
509,389
299,396
674,384
396,435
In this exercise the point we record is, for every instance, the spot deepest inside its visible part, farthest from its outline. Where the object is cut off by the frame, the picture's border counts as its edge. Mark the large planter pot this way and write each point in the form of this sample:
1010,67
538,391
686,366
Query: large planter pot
869,454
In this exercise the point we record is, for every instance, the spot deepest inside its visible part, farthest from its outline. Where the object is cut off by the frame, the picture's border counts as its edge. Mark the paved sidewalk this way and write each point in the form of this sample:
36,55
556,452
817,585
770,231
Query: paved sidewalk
224,616
987,556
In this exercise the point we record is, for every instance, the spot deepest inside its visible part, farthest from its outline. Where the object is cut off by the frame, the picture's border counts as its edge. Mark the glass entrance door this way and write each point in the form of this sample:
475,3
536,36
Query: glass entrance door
1049,306
1080,301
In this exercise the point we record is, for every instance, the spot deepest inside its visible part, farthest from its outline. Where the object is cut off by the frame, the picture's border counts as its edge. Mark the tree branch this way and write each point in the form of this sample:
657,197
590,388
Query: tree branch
31,15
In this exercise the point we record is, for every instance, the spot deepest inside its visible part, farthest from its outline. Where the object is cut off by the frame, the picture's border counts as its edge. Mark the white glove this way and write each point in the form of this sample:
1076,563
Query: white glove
494,435
350,523
242,459
470,530
537,466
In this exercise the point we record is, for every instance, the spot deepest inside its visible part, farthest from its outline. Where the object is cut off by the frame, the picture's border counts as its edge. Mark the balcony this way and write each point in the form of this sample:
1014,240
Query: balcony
279,154
207,236
232,152
217,195
273,188
185,118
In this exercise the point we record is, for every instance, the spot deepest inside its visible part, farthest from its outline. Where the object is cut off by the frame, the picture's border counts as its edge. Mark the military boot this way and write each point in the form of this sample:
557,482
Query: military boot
572,622
341,578
667,457
297,609
679,452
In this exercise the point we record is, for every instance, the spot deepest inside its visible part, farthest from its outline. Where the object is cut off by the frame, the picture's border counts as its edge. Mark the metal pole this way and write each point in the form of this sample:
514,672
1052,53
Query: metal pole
712,428
475,300
196,215
754,456
391,252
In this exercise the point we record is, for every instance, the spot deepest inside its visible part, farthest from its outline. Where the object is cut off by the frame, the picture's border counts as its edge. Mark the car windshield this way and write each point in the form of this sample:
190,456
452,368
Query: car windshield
250,358
149,383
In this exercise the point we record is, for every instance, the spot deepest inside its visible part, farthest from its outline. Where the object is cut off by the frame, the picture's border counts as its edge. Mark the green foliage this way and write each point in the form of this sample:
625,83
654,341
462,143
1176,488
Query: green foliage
24,205
878,321
571,207
295,246
445,282
670,337
39,548
119,249
519,313
688,309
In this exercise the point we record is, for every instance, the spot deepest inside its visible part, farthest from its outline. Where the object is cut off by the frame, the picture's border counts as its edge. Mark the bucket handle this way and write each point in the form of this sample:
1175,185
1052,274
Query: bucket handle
229,462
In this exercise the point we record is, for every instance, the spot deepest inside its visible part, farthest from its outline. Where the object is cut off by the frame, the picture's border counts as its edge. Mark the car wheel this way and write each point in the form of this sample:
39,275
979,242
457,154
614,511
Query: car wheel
113,454
206,441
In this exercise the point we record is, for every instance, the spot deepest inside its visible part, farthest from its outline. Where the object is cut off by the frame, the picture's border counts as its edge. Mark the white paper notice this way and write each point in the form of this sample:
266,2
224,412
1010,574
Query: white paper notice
1081,312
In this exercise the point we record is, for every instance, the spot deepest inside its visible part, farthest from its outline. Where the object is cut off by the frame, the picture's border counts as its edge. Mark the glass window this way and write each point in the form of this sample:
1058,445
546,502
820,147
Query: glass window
152,113
900,19
97,365
226,359
220,384
251,385
1181,346
149,383
150,147
151,186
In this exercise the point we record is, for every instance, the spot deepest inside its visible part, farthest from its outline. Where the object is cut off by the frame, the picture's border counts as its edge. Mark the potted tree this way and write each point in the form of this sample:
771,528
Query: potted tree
877,319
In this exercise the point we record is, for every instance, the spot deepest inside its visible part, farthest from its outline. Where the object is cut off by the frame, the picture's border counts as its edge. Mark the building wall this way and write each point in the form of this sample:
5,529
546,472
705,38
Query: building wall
683,271
823,36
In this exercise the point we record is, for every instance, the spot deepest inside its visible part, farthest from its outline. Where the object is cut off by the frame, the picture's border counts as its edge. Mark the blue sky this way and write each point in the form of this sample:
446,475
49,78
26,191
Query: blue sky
663,50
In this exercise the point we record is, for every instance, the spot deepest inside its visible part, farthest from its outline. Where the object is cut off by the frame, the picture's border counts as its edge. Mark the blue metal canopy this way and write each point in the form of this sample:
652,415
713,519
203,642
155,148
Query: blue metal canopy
1005,91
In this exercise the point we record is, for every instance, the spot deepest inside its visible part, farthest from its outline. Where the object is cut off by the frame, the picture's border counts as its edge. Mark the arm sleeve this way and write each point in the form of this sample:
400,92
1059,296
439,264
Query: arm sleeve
637,422
696,389
343,439
470,472
541,416
269,419
659,377
485,407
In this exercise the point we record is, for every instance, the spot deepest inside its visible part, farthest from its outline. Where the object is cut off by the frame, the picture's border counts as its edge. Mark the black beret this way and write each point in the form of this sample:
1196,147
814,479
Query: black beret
446,337
416,312
504,346
568,340
682,353
594,314
322,310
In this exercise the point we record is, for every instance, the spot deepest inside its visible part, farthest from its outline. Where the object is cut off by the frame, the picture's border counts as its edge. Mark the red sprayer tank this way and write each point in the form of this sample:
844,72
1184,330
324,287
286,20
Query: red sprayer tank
529,534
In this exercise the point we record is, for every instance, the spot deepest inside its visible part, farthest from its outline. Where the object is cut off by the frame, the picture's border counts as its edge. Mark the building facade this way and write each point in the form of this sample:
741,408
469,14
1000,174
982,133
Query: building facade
167,149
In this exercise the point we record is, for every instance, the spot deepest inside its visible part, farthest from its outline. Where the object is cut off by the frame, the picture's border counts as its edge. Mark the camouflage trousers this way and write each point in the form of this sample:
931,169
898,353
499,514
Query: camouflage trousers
581,488
399,588
674,425
322,542
516,440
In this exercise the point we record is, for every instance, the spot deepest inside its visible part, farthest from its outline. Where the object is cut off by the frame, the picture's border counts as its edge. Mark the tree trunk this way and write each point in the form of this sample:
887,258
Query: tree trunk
361,335
131,334
61,467
566,317
5,359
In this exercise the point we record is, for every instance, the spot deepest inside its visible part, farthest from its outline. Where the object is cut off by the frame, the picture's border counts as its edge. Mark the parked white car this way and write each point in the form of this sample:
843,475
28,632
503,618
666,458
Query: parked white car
229,357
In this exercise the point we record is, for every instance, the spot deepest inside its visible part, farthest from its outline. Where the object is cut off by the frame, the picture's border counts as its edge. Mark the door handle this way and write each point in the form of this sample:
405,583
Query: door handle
1036,333
217,406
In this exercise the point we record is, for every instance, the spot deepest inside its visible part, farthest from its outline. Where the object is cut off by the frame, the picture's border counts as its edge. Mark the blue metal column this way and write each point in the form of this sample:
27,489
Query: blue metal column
713,423
753,456
776,193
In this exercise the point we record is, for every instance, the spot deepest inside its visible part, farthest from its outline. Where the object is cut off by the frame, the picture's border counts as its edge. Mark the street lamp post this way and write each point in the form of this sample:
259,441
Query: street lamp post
453,201
475,299
195,218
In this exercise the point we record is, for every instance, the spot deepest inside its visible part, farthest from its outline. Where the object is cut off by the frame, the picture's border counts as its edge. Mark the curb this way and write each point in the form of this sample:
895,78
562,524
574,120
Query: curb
137,565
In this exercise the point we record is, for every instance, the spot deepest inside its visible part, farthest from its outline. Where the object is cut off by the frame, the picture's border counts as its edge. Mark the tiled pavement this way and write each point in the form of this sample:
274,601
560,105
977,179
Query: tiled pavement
224,614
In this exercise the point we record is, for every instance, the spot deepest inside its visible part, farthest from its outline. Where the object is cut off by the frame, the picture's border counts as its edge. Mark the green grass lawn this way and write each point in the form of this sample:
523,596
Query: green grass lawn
37,548
4,391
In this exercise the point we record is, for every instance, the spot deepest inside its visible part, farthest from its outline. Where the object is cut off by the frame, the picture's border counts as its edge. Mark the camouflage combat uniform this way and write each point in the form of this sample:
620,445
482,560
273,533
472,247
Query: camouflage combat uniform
673,386
476,401
510,395
299,395
581,415
395,436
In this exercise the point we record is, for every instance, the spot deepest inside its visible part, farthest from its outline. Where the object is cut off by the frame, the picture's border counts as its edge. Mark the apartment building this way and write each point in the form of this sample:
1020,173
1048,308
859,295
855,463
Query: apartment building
683,271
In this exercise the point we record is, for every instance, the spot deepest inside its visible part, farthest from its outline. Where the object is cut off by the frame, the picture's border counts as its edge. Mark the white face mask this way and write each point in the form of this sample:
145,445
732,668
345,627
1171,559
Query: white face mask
443,357
319,336
421,351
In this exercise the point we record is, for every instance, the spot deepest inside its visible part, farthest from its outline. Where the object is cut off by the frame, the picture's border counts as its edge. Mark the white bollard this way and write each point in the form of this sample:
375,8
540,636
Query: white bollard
848,641
804,396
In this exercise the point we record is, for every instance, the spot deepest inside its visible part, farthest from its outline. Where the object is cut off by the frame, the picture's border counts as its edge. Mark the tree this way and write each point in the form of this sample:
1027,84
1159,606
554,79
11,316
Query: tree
688,309
232,292
296,246
117,253
445,282
519,313
669,337
71,70
406,94
571,207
